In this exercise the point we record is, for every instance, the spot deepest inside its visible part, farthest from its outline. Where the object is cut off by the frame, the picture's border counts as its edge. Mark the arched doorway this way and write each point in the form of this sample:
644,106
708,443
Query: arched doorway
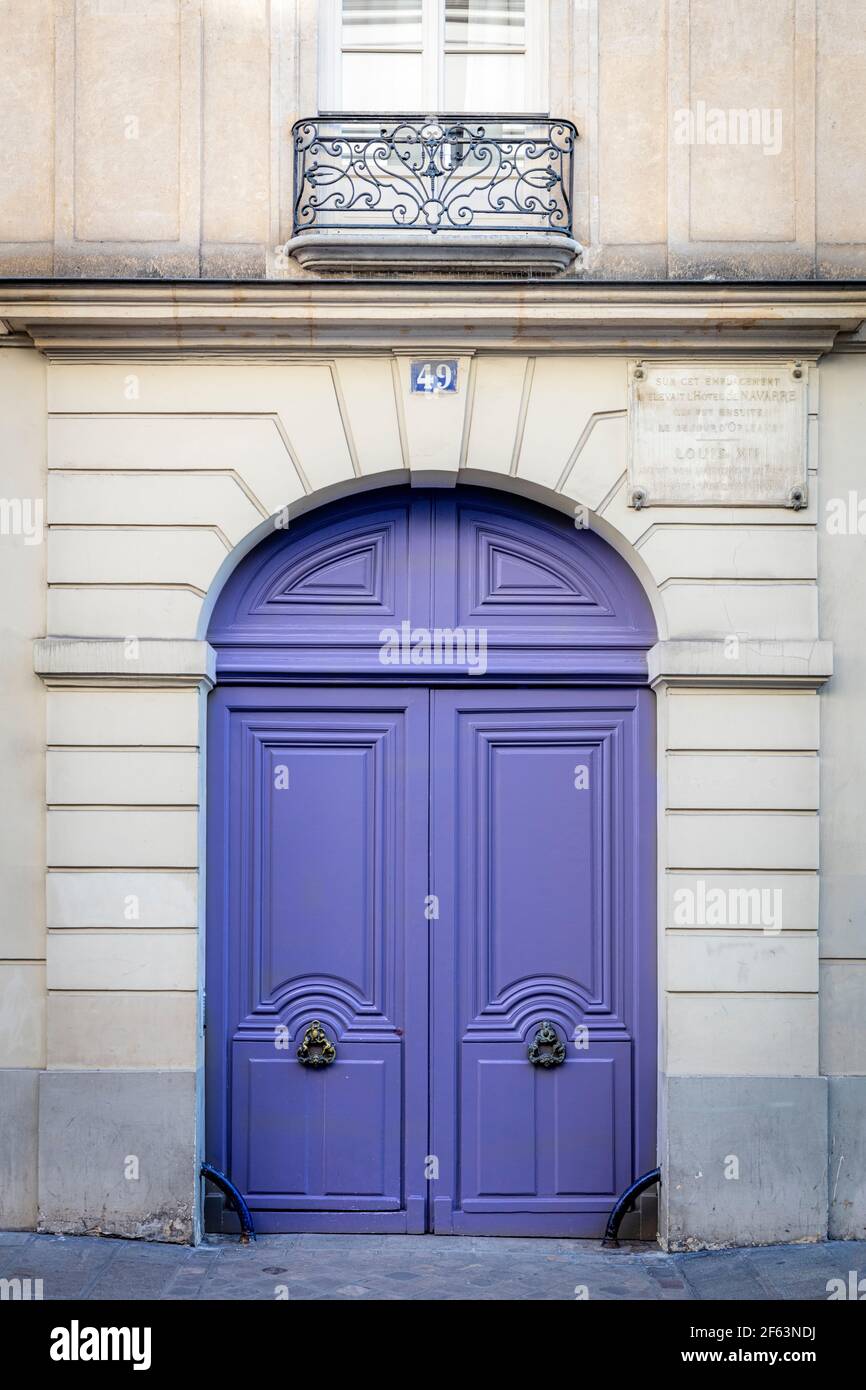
431,871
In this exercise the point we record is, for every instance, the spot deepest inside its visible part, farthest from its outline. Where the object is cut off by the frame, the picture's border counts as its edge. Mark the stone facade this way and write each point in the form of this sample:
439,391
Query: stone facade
150,138
164,425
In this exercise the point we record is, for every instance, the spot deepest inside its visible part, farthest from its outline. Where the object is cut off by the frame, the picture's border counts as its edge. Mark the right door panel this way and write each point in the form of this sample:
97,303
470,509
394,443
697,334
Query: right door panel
542,861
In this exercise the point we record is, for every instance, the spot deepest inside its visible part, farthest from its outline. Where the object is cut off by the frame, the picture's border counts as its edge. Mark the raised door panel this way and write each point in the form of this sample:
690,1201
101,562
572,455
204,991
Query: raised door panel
548,598
311,1141
315,924
536,1142
540,849
544,871
315,598
325,836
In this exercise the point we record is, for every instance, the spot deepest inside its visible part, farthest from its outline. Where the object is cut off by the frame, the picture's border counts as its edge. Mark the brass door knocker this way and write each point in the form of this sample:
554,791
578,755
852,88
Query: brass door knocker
316,1050
553,1052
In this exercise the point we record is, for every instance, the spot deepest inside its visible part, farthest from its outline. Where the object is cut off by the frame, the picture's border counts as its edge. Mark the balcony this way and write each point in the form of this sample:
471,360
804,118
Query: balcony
472,195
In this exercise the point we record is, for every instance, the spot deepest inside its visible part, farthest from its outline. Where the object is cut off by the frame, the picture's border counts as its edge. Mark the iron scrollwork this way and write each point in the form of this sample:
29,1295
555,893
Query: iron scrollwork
546,1049
458,173
316,1050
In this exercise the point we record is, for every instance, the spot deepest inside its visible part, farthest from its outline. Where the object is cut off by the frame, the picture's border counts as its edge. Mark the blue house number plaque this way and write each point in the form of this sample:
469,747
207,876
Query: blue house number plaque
430,378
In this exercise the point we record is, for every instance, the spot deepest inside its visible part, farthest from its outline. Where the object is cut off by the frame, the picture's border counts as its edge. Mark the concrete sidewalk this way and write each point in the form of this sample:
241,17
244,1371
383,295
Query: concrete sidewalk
420,1268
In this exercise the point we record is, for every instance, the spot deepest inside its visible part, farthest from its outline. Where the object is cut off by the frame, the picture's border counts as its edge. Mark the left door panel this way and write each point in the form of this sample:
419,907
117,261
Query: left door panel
316,892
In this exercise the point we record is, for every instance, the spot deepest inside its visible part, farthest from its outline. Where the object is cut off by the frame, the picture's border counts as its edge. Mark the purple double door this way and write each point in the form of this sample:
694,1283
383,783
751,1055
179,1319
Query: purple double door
431,982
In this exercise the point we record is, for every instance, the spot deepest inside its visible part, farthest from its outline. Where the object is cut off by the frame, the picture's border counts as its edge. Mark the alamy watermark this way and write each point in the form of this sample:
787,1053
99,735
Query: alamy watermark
846,516
702,906
77,1343
23,516
465,647
18,1290
854,1288
714,125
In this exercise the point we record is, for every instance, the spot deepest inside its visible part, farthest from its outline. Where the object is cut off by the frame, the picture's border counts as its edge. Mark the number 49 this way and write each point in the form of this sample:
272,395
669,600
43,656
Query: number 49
431,377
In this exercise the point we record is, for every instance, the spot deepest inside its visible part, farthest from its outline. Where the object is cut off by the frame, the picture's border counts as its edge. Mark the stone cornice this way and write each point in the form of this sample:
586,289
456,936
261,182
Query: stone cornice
757,664
112,319
77,661
80,661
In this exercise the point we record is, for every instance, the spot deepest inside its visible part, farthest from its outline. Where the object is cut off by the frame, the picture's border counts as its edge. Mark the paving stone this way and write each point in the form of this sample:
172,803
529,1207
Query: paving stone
724,1276
803,1271
127,1279
329,1268
187,1282
67,1268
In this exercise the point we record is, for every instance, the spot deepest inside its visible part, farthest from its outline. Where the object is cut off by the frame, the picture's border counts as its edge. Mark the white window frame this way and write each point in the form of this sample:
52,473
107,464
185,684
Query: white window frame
432,58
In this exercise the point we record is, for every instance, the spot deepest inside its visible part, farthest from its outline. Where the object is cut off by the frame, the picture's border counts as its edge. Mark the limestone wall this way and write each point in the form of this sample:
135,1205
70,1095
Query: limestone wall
151,138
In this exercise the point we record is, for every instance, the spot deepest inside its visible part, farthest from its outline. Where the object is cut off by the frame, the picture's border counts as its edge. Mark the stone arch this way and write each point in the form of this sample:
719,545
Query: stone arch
494,482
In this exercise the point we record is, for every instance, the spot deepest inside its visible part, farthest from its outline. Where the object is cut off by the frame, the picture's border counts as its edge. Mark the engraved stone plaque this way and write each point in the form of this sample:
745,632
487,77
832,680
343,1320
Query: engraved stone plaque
717,434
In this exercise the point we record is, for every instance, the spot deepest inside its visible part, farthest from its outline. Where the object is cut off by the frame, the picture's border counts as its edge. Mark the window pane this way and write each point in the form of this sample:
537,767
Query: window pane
381,81
381,23
485,82
485,23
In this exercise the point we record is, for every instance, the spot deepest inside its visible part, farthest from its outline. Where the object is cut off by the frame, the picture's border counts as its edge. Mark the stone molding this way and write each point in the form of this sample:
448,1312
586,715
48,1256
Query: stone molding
758,664
65,661
104,322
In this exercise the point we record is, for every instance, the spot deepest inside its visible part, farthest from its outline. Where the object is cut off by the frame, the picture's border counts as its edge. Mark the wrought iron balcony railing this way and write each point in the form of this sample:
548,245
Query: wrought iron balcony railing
431,174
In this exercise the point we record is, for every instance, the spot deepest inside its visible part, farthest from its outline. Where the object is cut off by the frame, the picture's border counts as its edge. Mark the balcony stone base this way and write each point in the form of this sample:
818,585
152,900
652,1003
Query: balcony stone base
499,255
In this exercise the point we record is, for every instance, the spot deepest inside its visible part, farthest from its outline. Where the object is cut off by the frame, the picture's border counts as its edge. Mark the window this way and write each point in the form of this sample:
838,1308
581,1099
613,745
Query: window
428,56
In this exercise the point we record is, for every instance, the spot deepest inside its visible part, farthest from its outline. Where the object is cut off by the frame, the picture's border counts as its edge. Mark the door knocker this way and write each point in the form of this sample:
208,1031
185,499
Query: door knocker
546,1048
316,1038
